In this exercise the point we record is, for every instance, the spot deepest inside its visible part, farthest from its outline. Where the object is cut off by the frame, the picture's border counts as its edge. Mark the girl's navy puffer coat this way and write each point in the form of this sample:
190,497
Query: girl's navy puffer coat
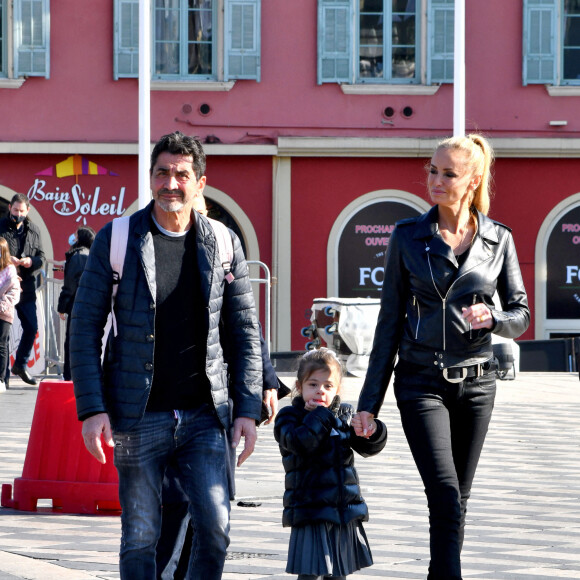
317,446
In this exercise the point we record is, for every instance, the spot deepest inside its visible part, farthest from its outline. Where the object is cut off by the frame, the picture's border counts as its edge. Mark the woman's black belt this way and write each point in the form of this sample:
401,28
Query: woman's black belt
450,374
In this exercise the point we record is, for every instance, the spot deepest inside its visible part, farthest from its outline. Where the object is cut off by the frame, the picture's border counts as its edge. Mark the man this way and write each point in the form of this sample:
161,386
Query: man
23,239
162,394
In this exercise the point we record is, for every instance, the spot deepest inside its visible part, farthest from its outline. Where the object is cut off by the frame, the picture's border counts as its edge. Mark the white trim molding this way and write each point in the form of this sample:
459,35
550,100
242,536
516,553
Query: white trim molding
386,89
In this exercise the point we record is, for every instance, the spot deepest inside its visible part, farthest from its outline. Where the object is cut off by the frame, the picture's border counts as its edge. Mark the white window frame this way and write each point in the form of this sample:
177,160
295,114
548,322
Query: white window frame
231,51
24,55
545,54
338,49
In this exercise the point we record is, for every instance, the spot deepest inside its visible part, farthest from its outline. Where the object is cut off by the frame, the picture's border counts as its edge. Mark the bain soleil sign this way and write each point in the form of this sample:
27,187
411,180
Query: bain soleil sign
73,200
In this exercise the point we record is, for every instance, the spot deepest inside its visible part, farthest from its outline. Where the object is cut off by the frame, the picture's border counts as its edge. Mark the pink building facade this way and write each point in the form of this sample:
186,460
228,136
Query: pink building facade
318,118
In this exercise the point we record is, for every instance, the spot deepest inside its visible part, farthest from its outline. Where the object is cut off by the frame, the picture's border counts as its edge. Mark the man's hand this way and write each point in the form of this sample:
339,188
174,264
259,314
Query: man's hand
26,262
271,401
93,428
246,428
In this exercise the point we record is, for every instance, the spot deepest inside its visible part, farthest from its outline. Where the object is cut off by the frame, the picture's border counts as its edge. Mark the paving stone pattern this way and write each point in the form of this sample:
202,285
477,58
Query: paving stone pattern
523,518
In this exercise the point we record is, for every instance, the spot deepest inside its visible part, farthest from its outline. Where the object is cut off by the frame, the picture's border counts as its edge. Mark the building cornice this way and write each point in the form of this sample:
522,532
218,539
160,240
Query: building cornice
518,147
409,147
71,148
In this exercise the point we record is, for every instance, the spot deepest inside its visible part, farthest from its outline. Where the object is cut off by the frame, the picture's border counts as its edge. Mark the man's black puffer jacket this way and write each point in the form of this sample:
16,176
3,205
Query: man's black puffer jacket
317,453
122,389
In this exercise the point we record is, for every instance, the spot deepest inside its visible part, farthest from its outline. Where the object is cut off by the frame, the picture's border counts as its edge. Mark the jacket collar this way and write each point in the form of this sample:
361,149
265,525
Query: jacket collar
427,226
427,229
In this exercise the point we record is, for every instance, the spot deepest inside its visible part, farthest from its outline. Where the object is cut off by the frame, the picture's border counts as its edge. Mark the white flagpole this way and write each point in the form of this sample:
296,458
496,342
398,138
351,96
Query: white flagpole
459,70
144,101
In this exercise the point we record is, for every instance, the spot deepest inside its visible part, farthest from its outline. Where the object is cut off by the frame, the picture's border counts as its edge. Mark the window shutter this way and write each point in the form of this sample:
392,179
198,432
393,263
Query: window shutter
441,28
32,38
126,39
242,39
335,41
540,34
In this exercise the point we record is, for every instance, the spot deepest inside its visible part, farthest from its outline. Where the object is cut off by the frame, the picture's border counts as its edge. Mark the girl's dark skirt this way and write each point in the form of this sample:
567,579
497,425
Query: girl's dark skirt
327,549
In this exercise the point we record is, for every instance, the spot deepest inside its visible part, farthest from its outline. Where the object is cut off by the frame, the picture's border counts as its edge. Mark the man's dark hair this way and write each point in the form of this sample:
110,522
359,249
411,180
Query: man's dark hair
20,198
177,143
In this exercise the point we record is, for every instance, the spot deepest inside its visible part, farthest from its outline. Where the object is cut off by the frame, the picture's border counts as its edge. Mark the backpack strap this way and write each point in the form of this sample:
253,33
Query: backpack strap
225,247
119,237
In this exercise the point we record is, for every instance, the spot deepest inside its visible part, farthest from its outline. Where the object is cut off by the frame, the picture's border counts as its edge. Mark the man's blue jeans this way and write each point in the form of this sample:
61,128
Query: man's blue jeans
445,425
194,443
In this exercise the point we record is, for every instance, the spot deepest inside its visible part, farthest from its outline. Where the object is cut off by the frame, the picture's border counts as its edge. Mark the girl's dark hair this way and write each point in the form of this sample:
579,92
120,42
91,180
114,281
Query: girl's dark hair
318,359
4,254
85,237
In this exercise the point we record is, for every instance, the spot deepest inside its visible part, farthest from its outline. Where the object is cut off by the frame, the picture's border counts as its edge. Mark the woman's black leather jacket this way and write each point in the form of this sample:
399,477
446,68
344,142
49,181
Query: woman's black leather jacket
424,291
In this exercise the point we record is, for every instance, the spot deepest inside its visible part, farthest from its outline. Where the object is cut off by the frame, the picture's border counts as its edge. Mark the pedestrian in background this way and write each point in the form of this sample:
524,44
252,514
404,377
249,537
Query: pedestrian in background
27,255
75,260
9,297
437,314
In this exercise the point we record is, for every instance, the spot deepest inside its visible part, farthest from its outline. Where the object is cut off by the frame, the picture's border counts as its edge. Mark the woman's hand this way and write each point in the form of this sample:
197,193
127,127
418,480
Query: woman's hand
363,424
478,316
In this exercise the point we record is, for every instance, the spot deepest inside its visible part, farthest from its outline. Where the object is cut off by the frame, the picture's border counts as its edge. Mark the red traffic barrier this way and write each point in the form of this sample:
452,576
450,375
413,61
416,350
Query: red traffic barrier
57,466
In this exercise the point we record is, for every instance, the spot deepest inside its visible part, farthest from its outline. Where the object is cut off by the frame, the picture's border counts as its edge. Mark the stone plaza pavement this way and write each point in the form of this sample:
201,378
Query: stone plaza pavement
523,518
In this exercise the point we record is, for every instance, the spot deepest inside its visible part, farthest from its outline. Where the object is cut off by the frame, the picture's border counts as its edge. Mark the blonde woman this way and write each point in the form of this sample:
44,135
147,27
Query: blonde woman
437,314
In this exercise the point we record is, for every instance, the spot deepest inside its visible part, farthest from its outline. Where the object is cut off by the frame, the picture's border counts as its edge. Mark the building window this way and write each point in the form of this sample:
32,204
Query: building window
551,42
191,41
385,41
24,38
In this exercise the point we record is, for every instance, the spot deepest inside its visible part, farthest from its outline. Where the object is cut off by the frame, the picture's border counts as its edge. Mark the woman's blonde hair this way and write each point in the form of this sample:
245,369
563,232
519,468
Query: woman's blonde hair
479,158
315,360
4,254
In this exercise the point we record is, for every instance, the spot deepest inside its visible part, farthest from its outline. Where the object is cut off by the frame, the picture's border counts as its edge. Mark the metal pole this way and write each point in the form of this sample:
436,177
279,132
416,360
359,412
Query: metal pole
459,70
144,100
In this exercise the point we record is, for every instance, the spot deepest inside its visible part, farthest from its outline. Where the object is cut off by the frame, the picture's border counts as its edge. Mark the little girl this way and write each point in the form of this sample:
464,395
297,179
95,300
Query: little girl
9,296
322,501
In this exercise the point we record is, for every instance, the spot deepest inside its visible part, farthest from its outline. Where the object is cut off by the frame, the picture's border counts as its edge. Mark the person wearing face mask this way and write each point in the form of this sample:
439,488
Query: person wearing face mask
25,245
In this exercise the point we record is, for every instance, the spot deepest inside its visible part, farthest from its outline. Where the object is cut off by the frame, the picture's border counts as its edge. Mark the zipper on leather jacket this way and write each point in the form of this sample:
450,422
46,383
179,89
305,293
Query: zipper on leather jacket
444,298
474,301
418,307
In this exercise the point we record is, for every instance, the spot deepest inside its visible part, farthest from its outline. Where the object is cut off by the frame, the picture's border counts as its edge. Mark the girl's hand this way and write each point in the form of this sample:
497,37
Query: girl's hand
363,424
478,316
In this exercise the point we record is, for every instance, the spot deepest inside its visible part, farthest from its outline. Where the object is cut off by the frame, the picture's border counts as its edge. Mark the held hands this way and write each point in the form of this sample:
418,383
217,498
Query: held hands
363,424
478,316
246,428
271,401
93,428
24,262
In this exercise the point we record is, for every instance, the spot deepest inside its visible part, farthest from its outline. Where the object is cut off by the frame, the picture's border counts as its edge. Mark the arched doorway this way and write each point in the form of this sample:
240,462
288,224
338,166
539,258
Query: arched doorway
359,239
558,272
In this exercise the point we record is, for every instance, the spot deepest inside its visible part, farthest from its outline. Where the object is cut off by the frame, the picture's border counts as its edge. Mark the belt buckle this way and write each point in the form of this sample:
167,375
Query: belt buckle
456,380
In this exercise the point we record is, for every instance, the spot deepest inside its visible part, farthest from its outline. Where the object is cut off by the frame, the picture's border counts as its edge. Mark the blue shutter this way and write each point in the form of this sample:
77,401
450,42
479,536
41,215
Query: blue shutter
540,34
126,39
32,38
440,32
242,39
335,41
